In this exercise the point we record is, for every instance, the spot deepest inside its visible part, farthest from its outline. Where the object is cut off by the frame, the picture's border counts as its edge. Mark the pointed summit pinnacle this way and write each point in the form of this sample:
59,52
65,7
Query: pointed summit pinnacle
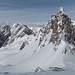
61,10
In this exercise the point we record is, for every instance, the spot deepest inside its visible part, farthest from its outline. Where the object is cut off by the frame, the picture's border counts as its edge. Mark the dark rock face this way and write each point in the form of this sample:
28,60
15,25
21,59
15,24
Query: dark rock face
27,30
61,24
60,27
2,39
6,31
56,69
23,28
4,34
23,45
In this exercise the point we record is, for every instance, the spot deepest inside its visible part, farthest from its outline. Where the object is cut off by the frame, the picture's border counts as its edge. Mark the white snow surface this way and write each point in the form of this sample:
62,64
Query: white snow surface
13,60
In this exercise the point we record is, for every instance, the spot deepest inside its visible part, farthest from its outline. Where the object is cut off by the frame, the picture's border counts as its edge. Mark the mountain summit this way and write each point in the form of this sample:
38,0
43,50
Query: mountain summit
61,28
61,10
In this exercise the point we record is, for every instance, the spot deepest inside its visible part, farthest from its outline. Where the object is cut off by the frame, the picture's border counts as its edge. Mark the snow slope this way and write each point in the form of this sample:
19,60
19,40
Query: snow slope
27,61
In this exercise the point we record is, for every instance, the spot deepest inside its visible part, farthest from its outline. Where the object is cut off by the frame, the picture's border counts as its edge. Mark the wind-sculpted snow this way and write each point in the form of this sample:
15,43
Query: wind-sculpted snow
46,50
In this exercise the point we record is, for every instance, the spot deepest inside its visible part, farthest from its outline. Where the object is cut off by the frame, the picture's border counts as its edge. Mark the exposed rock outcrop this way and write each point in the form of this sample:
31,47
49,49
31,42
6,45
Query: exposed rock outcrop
8,35
4,34
62,28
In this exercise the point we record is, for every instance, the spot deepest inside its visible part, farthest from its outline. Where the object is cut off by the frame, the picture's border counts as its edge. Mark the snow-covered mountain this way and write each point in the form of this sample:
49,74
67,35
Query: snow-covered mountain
35,49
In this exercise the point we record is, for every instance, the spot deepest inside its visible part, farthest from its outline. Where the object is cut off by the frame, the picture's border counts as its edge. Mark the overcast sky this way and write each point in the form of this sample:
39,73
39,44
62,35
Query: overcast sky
33,10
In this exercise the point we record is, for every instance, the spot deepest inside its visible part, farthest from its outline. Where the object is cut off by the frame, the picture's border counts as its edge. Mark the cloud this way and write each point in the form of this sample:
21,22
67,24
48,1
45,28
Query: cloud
7,4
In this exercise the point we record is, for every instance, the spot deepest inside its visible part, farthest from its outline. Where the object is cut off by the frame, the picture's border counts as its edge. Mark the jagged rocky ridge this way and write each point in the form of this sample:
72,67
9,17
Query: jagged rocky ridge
61,28
4,34
8,35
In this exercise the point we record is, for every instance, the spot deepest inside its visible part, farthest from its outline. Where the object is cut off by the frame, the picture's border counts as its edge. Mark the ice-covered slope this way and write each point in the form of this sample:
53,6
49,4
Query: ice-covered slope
51,47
